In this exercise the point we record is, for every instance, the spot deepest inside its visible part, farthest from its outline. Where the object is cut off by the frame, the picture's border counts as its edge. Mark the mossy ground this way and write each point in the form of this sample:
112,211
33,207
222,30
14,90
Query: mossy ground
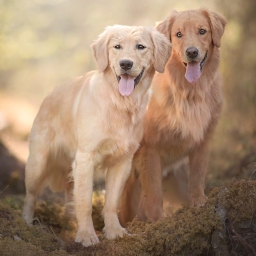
225,226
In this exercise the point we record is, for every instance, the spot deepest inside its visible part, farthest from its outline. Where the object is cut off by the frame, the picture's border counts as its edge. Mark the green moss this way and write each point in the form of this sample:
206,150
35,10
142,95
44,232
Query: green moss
16,248
12,225
217,228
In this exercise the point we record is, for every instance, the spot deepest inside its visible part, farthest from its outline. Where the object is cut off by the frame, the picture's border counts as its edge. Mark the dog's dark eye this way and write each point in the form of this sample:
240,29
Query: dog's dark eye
179,34
118,46
202,31
140,46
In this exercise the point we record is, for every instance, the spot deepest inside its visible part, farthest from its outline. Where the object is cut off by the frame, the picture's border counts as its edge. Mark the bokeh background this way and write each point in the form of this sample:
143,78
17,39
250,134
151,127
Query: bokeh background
44,43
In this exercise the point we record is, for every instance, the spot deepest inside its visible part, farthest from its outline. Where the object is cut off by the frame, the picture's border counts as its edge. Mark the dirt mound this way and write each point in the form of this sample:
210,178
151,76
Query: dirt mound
226,225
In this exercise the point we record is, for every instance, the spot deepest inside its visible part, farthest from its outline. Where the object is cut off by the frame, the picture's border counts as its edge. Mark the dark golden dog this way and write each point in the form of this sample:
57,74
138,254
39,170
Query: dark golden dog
182,114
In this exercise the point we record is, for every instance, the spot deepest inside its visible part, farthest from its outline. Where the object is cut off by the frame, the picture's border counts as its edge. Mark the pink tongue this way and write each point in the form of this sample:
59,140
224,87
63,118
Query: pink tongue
126,85
193,72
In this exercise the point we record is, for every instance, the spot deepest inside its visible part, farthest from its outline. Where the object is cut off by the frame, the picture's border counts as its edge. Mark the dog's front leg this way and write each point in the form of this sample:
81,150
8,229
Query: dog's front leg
151,203
83,169
115,180
198,160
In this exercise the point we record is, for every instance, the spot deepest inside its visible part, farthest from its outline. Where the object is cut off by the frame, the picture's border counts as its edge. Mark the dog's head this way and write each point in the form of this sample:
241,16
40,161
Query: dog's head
193,34
132,54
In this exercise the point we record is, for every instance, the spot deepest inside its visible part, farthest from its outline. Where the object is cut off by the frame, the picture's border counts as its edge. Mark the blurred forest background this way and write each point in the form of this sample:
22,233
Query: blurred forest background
44,43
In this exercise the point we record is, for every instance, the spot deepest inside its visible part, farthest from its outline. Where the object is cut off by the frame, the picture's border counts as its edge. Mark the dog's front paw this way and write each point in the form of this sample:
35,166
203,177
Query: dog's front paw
150,209
114,232
197,201
28,219
86,238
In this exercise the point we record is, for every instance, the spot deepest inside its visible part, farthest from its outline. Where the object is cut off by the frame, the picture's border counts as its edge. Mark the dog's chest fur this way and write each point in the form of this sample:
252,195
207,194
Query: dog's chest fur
183,121
124,132
181,125
190,116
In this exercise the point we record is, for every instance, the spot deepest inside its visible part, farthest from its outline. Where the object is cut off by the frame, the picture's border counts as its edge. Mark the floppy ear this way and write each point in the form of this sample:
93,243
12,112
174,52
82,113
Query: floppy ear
165,26
100,50
162,50
217,23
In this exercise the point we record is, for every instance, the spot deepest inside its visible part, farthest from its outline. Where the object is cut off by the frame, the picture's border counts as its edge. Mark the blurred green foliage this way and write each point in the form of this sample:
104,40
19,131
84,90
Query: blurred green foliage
43,42
46,42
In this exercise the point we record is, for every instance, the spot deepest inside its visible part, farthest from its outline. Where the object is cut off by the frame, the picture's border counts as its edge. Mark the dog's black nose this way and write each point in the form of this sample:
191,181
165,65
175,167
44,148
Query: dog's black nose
126,64
192,52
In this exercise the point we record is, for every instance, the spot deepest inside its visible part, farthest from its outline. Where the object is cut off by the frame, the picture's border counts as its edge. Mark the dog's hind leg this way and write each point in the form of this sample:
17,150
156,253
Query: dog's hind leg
35,175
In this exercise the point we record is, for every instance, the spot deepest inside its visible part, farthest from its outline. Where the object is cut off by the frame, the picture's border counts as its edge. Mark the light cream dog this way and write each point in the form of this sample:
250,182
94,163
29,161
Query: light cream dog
95,123
182,114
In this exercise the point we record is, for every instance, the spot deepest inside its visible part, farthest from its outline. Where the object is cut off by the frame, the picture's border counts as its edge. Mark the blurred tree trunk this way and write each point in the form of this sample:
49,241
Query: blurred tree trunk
11,173
236,134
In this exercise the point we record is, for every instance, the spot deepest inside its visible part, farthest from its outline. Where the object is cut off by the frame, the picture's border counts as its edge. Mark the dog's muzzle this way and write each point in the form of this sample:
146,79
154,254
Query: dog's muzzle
201,63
